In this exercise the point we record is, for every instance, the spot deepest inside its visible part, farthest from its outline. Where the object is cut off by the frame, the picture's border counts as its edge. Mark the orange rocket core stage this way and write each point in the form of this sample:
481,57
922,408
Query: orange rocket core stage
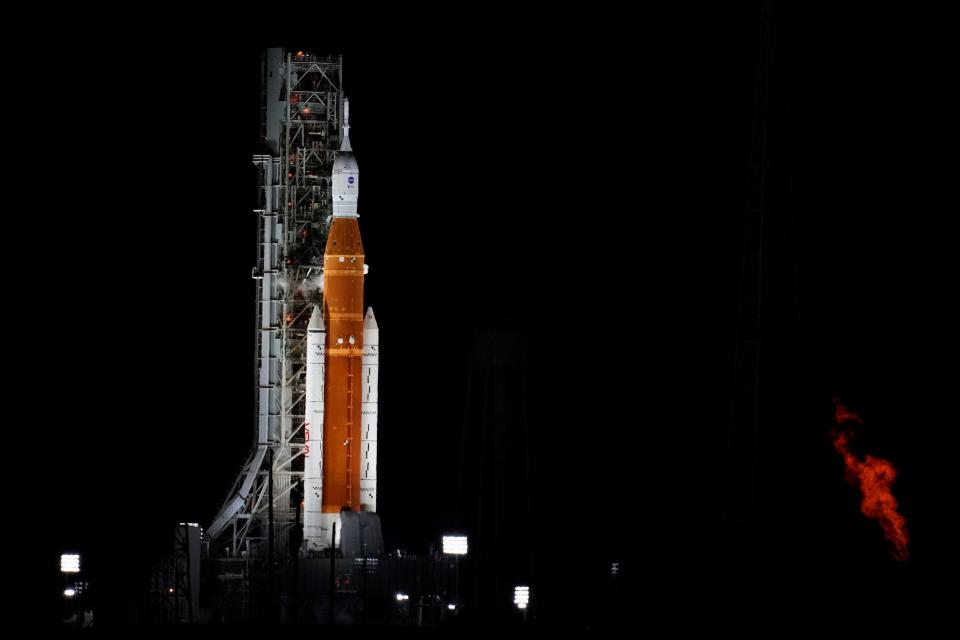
343,316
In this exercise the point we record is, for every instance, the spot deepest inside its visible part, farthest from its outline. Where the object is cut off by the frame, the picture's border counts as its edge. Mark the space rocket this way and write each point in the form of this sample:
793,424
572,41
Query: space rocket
343,355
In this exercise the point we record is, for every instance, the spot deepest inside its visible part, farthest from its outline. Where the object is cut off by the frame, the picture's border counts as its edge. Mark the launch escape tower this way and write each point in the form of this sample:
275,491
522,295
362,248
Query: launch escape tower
301,130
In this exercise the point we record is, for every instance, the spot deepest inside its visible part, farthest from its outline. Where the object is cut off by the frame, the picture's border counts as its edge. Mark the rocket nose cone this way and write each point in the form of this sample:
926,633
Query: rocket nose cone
370,321
316,320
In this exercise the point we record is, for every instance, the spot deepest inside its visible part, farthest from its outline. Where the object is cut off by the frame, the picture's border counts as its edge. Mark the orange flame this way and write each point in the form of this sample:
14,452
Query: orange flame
874,477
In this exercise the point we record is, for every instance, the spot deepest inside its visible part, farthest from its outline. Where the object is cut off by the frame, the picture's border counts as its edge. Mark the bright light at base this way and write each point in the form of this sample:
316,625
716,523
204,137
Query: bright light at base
70,563
69,593
521,596
402,596
455,545
452,607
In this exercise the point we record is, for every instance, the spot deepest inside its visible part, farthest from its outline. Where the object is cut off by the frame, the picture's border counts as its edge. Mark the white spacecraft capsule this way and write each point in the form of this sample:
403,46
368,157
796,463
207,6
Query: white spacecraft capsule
346,175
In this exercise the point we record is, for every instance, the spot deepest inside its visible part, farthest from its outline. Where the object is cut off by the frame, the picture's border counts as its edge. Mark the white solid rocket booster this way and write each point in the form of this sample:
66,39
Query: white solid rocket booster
314,537
368,413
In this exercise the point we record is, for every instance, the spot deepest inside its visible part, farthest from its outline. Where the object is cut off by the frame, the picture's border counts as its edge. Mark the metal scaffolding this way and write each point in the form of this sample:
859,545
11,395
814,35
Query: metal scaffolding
302,105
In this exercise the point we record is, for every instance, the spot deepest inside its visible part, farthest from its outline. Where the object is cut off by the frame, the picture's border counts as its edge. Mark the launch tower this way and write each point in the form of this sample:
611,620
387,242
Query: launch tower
302,132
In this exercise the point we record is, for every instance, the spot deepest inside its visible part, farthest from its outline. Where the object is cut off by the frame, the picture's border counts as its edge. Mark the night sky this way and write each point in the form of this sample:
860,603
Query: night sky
586,193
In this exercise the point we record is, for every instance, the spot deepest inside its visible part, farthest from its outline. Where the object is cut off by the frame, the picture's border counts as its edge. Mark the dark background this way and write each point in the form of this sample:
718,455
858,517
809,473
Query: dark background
495,166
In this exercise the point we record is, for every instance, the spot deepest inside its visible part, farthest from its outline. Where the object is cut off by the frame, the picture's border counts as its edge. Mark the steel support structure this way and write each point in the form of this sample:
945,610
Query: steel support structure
301,131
